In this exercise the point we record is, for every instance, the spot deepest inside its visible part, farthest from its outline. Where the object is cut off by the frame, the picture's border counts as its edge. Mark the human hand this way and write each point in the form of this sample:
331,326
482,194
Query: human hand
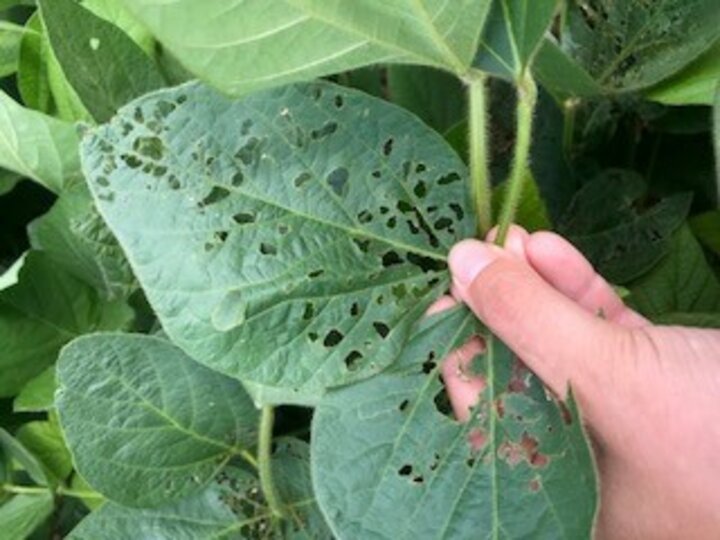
650,395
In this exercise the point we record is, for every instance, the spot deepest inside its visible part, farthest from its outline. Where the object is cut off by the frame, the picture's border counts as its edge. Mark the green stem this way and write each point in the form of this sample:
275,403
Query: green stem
479,155
527,97
267,419
60,490
569,111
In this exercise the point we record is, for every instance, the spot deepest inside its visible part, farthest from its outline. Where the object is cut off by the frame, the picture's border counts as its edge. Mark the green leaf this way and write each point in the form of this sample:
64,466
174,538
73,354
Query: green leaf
220,41
607,222
147,424
716,135
115,13
11,275
632,45
683,282
387,447
14,450
230,507
32,76
104,66
561,75
531,212
22,514
290,238
694,85
38,394
76,238
44,310
698,320
706,228
37,146
512,35
45,441
437,97
11,36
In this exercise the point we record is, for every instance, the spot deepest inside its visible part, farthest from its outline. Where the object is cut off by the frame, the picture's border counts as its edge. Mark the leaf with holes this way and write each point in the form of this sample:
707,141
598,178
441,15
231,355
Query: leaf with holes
231,505
513,33
632,45
290,238
387,447
220,40
147,424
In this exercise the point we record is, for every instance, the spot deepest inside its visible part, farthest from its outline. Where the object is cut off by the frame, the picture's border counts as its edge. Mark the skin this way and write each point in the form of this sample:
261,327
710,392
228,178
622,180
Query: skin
650,395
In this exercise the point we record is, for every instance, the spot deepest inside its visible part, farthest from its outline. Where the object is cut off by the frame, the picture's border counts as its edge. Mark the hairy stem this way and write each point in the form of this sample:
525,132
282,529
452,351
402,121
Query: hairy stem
479,155
267,419
526,99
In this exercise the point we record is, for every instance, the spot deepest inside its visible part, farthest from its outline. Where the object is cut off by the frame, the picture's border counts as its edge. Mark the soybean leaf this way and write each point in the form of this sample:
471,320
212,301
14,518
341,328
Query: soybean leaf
32,76
22,514
76,238
147,424
561,75
10,38
531,212
694,85
38,394
386,447
231,506
37,146
290,238
115,13
11,274
632,45
437,97
683,282
45,441
716,134
272,395
104,66
706,228
44,310
220,41
607,222
15,451
512,35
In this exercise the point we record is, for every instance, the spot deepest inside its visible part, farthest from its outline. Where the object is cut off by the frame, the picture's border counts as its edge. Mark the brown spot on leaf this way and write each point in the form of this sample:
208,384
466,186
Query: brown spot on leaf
527,449
519,377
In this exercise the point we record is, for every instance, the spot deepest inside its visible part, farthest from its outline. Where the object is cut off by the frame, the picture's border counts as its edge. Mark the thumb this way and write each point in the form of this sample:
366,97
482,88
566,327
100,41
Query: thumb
558,339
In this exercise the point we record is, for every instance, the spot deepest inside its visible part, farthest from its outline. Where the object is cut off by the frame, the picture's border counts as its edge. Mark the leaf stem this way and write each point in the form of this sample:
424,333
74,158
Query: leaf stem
60,491
267,419
478,151
526,100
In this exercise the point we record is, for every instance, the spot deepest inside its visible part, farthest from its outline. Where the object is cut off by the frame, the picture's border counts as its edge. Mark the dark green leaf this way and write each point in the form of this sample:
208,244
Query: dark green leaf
623,240
512,35
22,514
10,38
222,41
683,282
290,238
698,320
38,394
147,424
386,447
437,97
633,45
76,238
531,212
706,228
32,76
716,134
37,146
45,441
44,310
561,75
105,67
15,451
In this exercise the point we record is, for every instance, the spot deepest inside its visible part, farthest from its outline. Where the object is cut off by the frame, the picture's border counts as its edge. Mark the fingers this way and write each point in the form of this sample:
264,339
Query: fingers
557,338
560,264
463,389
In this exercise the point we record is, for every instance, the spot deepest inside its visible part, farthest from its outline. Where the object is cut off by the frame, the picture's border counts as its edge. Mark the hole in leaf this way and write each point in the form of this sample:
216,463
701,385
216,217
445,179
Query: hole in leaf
173,182
102,181
404,405
459,214
338,180
328,129
339,101
420,168
442,223
316,273
391,258
376,174
352,360
244,217
151,147
221,235
283,229
309,311
449,179
313,336
442,403
418,480
131,161
426,264
302,178
237,179
138,115
333,338
388,146
399,291
365,216
420,189
267,249
381,328
250,151
391,222
363,245
159,171
430,364
405,470
217,194
355,309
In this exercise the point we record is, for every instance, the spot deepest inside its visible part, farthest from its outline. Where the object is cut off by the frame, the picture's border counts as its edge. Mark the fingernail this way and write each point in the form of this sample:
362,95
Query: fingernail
468,258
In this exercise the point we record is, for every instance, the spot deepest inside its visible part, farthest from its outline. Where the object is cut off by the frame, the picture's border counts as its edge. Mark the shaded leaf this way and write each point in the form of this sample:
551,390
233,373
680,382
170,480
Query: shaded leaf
147,424
694,85
608,223
716,135
22,514
14,450
104,66
220,41
37,146
531,212
512,35
45,441
76,238
706,228
633,45
683,282
38,394
698,320
10,38
386,447
32,75
290,238
44,310
561,75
